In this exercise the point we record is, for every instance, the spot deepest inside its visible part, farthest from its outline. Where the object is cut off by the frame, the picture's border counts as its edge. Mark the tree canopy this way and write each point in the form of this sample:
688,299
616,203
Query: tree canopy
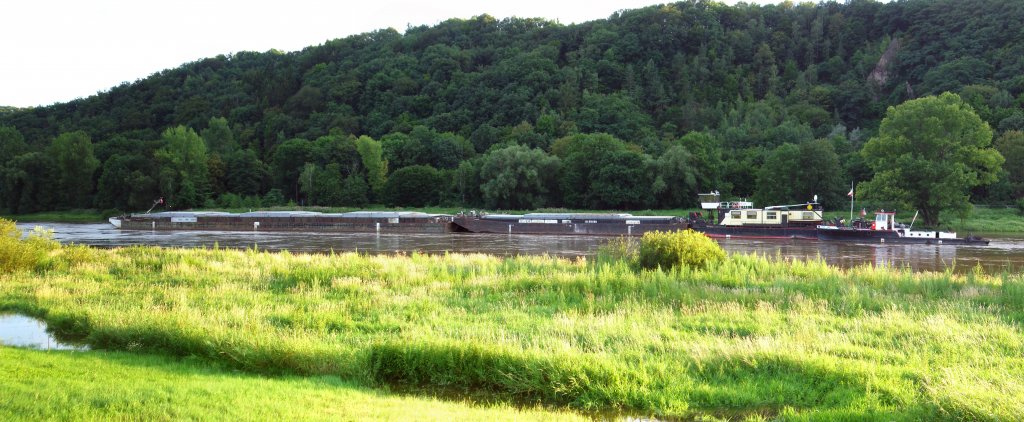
676,99
928,153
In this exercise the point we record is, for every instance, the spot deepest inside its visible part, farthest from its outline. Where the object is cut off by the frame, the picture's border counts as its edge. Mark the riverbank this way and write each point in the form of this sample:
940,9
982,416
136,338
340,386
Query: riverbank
747,338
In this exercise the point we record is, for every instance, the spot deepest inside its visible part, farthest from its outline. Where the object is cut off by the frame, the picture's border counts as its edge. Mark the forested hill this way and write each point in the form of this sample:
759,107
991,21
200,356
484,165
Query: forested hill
642,109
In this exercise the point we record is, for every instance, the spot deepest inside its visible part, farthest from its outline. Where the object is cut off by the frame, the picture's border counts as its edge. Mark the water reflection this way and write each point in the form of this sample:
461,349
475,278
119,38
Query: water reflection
23,331
1003,254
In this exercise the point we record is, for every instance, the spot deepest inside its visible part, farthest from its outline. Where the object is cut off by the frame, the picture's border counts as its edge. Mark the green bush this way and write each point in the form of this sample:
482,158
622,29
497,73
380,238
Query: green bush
23,254
680,248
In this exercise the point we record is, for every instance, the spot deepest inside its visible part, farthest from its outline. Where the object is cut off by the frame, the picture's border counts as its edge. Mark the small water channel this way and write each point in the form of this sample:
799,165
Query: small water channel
22,331
1005,253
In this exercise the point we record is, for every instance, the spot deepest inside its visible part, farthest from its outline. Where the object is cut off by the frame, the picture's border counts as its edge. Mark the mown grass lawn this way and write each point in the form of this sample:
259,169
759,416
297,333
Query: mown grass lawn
747,338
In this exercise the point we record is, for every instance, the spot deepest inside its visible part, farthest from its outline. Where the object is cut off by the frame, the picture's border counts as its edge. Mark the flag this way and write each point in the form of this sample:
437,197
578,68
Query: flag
863,212
851,193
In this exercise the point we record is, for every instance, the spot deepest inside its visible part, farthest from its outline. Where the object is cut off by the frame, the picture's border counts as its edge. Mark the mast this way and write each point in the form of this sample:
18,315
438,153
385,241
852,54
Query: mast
851,202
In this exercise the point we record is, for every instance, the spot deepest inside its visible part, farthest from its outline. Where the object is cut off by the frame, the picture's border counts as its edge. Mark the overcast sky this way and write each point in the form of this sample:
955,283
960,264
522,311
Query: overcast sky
56,51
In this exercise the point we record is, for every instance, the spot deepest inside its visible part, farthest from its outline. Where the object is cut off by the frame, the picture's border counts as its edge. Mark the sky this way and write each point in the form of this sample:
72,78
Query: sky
56,51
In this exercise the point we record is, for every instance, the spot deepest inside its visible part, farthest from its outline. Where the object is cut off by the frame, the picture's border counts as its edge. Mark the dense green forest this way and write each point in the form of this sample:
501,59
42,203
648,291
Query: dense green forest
642,109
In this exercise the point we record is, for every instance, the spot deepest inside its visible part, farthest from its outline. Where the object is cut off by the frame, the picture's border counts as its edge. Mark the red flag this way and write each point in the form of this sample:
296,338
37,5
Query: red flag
851,193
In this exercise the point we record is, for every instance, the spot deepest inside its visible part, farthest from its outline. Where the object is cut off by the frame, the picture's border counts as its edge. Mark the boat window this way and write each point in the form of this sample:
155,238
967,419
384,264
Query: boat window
735,214
752,215
808,215
771,215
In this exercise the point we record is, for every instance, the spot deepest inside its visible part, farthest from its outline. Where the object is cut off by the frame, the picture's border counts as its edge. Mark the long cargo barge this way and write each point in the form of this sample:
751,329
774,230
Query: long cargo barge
568,224
350,222
736,219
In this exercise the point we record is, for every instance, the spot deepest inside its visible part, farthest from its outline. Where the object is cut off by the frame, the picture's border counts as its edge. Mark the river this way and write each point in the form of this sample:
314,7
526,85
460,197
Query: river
1005,253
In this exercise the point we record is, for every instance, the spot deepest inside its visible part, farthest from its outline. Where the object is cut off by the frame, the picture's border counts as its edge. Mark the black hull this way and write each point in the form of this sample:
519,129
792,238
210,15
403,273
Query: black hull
290,224
620,228
882,236
806,233
611,228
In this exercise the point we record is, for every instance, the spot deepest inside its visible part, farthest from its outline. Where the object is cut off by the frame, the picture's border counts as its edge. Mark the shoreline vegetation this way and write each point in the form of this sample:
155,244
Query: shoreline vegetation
982,219
744,338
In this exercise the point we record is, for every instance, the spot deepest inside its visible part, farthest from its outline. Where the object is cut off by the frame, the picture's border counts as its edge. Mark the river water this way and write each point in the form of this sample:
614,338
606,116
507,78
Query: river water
1005,253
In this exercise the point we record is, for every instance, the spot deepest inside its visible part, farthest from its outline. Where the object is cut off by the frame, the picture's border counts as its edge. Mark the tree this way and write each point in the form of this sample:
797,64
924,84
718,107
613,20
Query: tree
1011,146
517,177
27,181
706,159
414,186
401,150
600,171
183,168
354,190
928,153
676,181
124,185
218,136
372,156
75,167
287,163
12,144
245,172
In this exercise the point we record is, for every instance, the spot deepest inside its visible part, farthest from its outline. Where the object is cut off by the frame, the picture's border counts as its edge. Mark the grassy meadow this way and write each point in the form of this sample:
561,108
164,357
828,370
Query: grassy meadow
37,385
746,339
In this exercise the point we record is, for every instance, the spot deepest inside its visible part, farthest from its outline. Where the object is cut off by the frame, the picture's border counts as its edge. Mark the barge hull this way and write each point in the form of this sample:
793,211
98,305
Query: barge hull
289,224
474,225
879,236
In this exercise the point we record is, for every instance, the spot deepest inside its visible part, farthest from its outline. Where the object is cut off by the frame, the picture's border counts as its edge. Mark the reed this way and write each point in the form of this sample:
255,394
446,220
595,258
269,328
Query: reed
747,337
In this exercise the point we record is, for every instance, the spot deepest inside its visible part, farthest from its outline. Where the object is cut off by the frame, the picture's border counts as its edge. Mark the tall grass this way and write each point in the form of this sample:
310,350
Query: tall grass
746,337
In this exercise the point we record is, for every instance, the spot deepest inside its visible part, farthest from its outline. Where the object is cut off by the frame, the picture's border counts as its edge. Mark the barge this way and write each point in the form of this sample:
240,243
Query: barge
885,229
737,219
350,222
567,223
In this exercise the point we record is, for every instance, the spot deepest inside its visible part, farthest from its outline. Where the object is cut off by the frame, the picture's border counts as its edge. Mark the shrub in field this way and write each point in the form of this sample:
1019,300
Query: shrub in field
23,254
680,248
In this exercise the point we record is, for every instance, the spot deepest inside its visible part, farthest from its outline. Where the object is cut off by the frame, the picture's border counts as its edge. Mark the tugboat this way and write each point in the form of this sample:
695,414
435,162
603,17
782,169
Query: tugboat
885,229
740,219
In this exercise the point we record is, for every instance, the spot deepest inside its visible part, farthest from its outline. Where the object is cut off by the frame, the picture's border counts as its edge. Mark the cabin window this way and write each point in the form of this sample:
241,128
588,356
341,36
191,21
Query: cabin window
752,215
735,214
771,215
808,215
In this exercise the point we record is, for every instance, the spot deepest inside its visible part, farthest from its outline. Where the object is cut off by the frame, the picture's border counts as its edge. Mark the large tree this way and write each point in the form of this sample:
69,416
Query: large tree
928,153
75,167
372,156
183,168
517,177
